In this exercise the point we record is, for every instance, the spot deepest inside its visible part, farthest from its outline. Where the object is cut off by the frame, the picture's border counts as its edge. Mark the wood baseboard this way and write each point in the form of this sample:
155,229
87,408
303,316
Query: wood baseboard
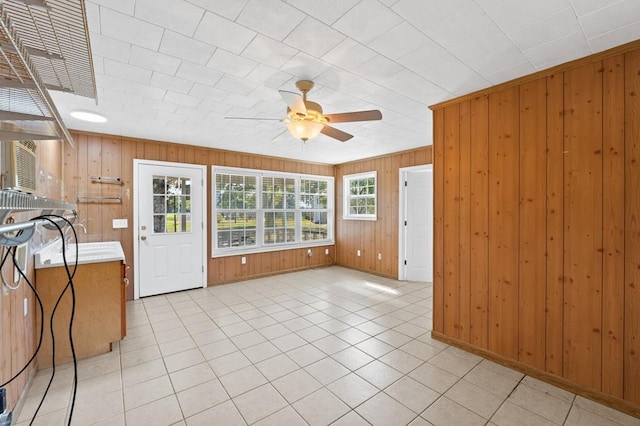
602,398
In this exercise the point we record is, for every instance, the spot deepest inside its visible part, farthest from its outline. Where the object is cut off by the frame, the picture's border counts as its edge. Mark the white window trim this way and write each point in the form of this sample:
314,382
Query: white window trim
346,188
260,246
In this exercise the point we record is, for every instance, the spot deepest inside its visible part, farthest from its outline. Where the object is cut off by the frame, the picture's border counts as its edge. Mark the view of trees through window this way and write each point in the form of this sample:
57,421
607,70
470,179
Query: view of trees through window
171,204
255,210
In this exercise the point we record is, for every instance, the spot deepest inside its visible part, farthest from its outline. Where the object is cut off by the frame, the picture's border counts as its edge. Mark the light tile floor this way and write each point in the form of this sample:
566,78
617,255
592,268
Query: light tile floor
325,346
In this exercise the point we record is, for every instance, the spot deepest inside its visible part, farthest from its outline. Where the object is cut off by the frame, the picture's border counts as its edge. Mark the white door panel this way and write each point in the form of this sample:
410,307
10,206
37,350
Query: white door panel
418,232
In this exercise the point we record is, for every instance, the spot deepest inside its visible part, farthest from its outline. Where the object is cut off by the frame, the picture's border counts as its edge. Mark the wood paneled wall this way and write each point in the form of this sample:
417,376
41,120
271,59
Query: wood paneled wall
18,332
104,155
380,236
537,225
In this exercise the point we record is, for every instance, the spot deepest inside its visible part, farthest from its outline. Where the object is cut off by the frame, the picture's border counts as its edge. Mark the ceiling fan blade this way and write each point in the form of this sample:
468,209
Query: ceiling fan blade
332,132
294,102
252,118
354,116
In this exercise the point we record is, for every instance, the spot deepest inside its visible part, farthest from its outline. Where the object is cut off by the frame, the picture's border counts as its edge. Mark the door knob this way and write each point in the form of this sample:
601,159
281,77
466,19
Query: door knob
143,238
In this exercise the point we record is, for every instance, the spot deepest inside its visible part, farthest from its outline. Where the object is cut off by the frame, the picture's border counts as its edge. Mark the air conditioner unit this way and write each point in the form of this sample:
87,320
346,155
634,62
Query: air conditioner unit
19,166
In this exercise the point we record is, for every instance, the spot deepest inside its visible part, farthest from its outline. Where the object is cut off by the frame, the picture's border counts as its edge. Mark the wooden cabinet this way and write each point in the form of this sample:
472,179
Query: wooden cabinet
100,314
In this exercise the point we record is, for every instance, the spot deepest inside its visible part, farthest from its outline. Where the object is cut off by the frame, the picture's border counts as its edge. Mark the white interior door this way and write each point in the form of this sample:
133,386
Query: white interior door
418,225
170,227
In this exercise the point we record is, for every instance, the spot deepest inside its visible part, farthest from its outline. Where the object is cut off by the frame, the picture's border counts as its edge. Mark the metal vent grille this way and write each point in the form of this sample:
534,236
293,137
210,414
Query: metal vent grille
25,168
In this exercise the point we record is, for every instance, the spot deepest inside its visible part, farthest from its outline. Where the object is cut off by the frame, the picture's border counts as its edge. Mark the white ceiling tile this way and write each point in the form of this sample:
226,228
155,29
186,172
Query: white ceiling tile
93,17
124,98
510,73
129,29
584,7
124,6
149,92
171,83
176,15
304,67
273,18
198,113
152,60
266,94
398,41
198,73
126,71
208,92
496,60
378,68
367,21
424,15
172,117
614,38
186,48
347,83
561,50
218,31
182,99
616,15
512,15
313,37
229,9
242,101
349,55
269,77
268,51
230,63
236,84
111,48
270,109
98,64
159,105
546,30
104,81
139,112
328,11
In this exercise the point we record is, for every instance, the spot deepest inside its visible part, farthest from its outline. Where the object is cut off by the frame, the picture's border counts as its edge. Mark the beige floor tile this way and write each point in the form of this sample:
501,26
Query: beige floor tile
183,360
330,344
176,346
140,356
142,372
297,323
191,376
445,412
474,398
305,355
229,363
287,416
412,394
261,351
434,377
170,335
452,363
352,358
259,403
544,405
371,328
274,331
242,381
606,412
333,326
218,349
401,361
296,385
201,397
374,347
313,333
383,410
321,407
244,340
235,329
510,414
56,400
97,386
326,370
547,388
353,336
116,420
58,417
135,343
394,338
419,421
581,417
165,411
352,319
491,381
379,374
261,322
420,350
98,409
288,342
146,392
351,419
410,330
276,367
353,390
209,336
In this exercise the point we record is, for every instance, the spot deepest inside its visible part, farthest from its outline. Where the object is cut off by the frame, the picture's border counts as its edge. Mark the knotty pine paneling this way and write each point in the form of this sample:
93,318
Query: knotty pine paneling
105,155
380,236
553,234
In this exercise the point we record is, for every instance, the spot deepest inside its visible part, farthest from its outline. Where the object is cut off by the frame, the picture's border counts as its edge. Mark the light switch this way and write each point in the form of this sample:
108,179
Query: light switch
120,223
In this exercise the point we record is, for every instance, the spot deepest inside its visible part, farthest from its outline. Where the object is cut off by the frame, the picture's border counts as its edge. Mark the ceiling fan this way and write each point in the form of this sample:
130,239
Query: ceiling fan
306,119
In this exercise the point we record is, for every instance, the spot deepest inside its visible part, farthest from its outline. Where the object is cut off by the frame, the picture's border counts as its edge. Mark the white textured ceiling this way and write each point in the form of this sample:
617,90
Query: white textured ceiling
171,70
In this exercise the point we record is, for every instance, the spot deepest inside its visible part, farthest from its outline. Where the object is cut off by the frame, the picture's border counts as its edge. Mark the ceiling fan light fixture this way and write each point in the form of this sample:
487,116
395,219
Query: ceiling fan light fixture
305,129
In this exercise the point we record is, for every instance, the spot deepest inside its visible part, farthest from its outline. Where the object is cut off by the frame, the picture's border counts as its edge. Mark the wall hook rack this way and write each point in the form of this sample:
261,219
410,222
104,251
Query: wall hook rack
107,179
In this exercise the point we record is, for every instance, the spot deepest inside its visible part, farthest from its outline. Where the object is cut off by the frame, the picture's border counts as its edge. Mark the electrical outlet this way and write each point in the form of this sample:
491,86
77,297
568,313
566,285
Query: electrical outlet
25,307
309,252
379,256
120,223
326,252
358,253
243,260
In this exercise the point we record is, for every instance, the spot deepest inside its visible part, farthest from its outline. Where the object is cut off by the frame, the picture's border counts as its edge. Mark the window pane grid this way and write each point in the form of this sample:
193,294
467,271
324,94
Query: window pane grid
171,204
360,196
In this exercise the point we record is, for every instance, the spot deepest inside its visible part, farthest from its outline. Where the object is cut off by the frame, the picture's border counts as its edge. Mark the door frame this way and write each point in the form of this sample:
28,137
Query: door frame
136,227
402,207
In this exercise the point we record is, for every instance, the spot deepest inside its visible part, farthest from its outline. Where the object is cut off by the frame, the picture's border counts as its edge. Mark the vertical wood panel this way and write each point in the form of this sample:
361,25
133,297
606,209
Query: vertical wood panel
583,226
465,221
613,227
555,224
503,222
479,232
632,229
532,238
452,221
438,221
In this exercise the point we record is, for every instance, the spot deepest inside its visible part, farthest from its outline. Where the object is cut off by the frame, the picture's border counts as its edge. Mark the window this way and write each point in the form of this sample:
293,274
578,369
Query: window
262,210
171,204
360,193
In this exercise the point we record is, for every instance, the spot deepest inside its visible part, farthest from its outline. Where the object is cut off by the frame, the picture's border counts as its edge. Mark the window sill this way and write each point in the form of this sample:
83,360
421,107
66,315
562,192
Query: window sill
246,251
360,218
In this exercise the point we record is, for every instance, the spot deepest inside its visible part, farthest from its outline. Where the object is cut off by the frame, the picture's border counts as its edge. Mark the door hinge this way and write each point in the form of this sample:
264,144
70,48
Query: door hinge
405,223
203,269
405,183
405,263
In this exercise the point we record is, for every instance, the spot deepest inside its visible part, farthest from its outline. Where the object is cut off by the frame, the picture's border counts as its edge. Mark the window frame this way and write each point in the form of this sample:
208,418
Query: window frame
260,211
346,196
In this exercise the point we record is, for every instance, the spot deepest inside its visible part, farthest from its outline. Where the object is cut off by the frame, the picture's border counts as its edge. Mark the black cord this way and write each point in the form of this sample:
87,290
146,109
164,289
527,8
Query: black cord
71,286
